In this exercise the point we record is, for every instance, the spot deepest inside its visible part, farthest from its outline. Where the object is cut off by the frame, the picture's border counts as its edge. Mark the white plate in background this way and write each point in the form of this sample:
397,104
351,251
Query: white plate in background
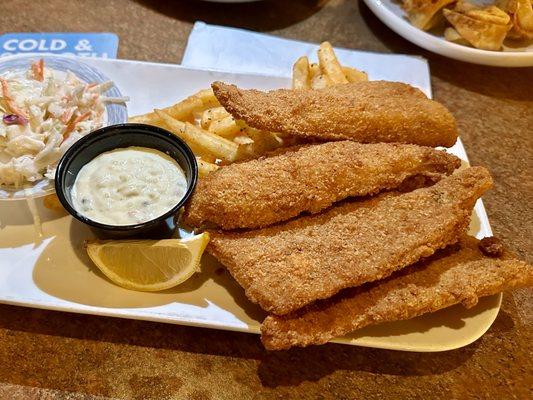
391,14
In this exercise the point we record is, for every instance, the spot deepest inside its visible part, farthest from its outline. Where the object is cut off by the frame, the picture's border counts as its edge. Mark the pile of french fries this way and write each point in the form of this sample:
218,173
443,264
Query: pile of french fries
327,72
216,138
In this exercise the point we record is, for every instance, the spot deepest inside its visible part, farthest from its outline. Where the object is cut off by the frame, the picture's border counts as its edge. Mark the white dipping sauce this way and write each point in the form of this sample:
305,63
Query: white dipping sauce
128,186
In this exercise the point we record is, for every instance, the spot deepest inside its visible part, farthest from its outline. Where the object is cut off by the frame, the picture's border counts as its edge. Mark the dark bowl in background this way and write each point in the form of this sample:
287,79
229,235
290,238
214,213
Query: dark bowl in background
114,137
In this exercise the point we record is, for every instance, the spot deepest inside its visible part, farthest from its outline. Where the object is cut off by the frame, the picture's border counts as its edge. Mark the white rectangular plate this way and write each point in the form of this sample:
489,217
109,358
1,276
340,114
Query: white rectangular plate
56,274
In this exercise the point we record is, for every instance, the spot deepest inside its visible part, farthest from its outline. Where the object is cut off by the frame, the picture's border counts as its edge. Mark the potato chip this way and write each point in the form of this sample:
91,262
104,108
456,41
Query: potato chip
490,14
451,35
423,13
463,6
521,12
479,33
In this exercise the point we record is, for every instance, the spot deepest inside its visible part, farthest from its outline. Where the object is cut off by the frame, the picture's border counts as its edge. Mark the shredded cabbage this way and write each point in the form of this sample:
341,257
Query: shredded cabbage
42,113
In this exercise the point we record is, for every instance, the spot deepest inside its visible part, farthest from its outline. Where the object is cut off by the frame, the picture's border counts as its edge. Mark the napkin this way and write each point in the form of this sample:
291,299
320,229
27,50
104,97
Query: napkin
238,50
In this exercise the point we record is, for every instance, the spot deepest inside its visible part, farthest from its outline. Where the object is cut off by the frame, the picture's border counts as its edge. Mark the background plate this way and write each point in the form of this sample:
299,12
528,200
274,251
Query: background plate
392,15
55,273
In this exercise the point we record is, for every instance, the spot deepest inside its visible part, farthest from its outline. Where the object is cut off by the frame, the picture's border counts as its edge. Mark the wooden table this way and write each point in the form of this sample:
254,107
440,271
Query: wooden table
46,354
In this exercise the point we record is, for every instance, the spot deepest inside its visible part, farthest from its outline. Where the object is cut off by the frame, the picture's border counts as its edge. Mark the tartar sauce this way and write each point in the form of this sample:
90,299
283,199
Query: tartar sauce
128,186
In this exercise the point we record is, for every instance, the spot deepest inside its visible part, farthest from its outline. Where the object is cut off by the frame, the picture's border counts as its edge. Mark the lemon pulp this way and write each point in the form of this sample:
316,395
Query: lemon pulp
148,265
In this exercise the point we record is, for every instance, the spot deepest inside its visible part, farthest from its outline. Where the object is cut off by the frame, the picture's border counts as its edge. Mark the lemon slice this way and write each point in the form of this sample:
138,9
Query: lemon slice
148,265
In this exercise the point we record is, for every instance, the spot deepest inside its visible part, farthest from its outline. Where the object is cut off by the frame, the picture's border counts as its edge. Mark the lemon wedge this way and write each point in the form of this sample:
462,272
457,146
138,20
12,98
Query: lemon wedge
148,265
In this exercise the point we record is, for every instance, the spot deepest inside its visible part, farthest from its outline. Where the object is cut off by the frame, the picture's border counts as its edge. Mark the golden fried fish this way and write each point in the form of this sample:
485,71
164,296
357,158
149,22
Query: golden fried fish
262,192
458,274
287,266
368,112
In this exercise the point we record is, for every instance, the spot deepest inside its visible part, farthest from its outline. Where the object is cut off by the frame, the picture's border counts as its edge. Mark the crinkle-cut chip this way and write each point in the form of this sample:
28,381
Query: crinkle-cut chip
521,12
422,13
451,35
480,34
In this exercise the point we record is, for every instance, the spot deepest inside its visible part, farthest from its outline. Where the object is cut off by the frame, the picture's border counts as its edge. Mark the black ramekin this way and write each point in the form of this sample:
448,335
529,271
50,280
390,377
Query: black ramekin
114,137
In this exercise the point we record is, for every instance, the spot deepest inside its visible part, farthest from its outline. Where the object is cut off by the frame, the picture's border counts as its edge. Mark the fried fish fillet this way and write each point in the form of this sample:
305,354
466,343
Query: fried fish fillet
460,273
368,112
285,267
262,192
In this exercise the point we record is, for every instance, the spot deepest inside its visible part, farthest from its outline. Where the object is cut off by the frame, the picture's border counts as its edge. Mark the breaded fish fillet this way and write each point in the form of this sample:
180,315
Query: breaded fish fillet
287,266
368,112
457,274
262,192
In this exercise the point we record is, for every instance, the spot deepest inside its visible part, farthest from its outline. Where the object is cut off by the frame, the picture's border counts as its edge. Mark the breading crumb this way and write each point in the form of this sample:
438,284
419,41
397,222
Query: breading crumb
491,246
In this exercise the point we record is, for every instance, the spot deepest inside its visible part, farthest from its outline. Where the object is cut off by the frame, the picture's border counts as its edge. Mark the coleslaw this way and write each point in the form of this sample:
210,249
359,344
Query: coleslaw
43,112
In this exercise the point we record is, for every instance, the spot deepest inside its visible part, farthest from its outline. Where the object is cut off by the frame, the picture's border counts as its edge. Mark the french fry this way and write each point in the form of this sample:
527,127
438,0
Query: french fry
182,110
329,64
300,74
174,126
207,141
205,168
212,114
225,127
207,97
243,139
263,141
354,75
185,109
320,82
314,70
148,119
